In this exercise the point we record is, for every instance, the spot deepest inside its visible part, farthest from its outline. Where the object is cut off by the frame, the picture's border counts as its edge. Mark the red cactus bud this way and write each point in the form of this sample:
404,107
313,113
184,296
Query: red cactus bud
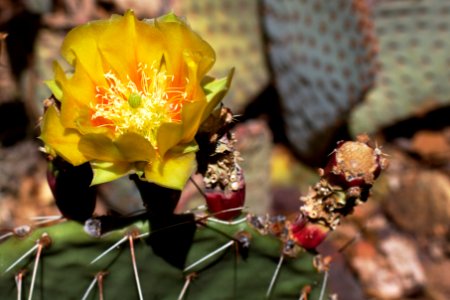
354,164
219,202
308,235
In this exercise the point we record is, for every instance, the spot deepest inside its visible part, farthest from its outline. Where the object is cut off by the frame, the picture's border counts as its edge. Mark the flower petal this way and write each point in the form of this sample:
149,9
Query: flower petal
151,44
191,117
100,147
169,135
55,86
215,91
63,141
59,81
195,112
78,95
173,171
108,171
182,39
80,46
120,34
130,147
135,147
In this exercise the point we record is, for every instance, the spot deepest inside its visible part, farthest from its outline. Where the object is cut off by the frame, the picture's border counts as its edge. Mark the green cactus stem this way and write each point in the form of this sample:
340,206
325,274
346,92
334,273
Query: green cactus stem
213,264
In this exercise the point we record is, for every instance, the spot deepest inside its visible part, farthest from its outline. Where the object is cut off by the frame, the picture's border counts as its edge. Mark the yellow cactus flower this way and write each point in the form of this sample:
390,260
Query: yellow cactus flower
134,100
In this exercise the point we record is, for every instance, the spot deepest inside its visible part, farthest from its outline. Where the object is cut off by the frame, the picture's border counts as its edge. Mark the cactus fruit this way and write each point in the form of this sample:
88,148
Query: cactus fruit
225,205
308,235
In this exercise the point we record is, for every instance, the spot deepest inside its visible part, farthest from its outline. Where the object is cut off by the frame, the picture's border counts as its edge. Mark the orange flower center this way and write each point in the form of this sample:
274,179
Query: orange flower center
139,107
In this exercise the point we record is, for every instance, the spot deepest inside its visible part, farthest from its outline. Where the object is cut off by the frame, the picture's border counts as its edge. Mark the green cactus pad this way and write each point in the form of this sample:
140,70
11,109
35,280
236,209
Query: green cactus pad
65,270
322,54
414,57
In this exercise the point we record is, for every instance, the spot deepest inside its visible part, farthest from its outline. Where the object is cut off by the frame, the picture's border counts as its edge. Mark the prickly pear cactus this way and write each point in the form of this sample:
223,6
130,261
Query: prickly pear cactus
414,61
226,261
243,256
323,56
157,127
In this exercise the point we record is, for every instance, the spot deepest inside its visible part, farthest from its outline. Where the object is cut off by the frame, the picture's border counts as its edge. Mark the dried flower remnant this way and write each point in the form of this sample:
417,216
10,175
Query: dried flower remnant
355,164
224,180
345,182
218,163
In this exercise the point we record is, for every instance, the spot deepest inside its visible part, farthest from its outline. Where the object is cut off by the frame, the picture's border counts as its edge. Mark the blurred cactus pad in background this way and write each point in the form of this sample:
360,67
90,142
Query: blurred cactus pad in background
258,149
